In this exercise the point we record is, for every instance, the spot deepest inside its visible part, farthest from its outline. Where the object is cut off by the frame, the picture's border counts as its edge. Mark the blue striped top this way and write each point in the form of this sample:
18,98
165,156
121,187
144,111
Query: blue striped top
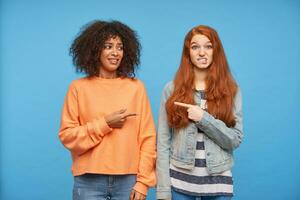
198,182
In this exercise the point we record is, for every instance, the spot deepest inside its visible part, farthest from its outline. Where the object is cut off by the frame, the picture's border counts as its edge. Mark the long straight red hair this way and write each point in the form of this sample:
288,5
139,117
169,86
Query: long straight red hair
220,88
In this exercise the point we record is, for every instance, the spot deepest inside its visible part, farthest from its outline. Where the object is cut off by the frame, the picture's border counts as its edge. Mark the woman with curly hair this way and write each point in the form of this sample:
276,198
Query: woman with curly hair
200,123
107,122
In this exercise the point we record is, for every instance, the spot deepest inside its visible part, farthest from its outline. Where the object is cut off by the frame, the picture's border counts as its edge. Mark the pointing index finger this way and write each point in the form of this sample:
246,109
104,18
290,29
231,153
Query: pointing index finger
129,115
183,104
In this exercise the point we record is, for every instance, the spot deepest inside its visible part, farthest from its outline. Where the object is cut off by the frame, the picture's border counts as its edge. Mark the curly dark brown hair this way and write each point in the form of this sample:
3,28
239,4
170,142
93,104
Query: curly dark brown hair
87,46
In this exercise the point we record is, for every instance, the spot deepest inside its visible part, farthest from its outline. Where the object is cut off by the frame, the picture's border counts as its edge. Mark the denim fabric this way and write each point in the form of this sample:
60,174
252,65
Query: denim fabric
181,196
178,146
103,187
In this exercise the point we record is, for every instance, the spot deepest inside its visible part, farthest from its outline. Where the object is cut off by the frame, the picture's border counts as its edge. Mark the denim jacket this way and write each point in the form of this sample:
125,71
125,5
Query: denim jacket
179,146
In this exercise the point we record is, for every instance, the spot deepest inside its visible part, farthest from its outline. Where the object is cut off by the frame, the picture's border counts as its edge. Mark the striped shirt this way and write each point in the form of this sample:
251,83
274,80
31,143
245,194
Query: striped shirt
198,182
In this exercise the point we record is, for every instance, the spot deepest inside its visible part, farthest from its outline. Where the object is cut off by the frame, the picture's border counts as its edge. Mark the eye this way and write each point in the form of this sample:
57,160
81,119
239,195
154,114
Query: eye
209,46
194,47
107,46
120,48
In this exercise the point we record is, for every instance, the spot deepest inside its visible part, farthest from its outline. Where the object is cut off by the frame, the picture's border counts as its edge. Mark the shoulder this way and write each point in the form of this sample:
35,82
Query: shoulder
168,90
238,98
169,87
238,94
82,80
134,83
77,83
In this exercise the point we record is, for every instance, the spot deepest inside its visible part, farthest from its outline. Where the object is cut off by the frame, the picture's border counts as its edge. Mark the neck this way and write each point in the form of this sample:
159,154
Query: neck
200,77
107,74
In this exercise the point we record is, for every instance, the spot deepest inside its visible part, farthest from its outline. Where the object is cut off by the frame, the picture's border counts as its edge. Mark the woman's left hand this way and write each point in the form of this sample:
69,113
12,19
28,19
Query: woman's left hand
135,195
195,113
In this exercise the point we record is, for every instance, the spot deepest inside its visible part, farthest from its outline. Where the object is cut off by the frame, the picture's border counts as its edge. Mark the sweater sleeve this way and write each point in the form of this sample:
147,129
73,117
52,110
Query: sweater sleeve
77,137
147,137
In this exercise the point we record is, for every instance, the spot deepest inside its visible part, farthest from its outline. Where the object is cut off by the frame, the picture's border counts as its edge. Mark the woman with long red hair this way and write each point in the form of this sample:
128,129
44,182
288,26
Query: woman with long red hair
200,123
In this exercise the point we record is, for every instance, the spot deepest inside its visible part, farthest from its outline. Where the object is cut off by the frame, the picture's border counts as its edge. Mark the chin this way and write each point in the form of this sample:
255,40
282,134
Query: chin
113,68
202,67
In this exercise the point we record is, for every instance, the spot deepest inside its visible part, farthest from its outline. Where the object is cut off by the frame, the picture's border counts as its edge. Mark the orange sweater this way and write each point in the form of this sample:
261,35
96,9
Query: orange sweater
95,147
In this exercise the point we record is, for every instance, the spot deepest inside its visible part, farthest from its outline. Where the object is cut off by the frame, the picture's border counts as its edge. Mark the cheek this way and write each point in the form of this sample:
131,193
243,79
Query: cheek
192,56
121,54
101,58
211,56
103,54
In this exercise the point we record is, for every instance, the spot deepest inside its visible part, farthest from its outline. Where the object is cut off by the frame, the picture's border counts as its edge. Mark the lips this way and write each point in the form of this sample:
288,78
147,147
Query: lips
202,60
113,61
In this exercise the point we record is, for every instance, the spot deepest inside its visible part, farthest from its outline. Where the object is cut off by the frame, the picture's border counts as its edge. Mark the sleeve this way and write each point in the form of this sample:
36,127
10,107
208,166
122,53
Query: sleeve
227,138
147,137
163,188
74,136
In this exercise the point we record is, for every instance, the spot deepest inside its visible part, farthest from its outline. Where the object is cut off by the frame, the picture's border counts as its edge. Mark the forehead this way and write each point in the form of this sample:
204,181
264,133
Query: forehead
199,38
114,39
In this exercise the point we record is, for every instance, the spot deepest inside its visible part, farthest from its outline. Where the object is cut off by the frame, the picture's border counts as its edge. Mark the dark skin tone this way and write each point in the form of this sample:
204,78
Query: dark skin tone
118,118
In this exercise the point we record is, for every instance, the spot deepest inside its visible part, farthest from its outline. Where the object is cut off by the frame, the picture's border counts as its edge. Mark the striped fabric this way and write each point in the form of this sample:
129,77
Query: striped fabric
198,182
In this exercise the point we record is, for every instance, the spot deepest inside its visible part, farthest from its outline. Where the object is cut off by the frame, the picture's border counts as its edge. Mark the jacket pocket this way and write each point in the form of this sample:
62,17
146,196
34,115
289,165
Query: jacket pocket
183,146
215,155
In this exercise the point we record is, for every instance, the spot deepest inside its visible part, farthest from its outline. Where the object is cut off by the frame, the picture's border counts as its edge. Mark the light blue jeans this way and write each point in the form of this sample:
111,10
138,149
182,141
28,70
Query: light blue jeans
103,187
181,196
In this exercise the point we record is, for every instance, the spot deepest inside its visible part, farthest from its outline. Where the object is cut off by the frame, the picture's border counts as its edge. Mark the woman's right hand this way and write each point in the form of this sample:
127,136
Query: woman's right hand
118,118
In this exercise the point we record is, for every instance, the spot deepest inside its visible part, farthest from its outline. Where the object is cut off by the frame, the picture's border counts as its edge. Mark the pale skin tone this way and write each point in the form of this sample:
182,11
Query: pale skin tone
111,57
201,55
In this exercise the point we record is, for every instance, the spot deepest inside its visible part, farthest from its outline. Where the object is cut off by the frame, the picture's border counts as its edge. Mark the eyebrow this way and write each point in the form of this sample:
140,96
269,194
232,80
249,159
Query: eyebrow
112,43
208,42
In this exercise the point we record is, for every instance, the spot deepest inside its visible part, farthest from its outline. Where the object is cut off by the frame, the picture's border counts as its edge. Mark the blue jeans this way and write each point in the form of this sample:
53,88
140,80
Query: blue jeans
103,187
181,196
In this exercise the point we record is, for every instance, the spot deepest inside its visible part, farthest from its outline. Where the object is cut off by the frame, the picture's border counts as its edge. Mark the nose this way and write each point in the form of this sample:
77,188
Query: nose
201,52
114,52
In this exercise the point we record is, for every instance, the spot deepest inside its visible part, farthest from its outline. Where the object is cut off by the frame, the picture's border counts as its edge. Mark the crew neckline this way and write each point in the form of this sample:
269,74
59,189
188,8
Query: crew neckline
117,79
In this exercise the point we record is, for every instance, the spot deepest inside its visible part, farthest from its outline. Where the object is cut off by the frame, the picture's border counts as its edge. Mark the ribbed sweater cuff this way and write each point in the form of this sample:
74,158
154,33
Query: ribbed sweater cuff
99,127
141,188
103,126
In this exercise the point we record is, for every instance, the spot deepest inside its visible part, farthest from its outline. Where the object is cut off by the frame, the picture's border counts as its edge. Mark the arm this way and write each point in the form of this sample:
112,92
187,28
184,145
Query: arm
163,190
74,136
147,138
227,138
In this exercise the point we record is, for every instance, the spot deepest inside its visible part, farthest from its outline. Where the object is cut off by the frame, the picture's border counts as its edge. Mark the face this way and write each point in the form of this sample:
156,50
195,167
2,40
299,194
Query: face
111,55
201,51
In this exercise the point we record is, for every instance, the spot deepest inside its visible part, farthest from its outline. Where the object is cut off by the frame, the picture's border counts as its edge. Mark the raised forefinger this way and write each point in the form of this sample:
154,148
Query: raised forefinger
183,104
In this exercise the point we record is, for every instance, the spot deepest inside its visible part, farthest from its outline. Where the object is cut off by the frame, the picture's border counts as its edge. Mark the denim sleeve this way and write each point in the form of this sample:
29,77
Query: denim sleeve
163,189
227,138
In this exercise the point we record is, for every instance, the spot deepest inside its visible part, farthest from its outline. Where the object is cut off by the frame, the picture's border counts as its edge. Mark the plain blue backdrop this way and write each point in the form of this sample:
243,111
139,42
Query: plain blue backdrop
261,41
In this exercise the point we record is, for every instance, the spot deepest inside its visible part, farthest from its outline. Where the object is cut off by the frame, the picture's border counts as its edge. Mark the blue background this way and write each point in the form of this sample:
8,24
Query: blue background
261,41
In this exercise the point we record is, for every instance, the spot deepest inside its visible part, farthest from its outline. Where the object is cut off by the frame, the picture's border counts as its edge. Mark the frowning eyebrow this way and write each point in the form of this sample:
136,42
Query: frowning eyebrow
208,42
